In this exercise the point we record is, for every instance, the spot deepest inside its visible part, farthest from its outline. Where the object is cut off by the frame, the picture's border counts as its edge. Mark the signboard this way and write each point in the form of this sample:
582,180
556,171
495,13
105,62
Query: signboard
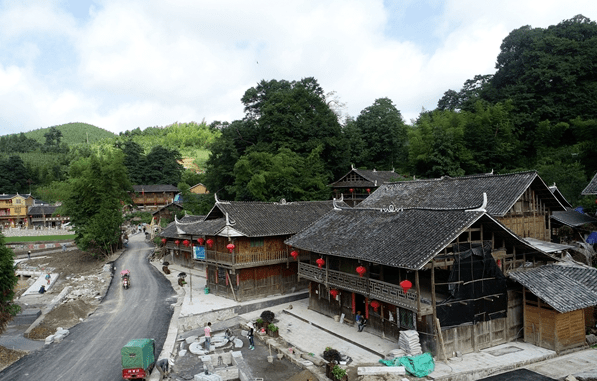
199,252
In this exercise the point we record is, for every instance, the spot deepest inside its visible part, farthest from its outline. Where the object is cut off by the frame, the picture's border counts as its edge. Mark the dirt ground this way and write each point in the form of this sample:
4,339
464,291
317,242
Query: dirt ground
79,270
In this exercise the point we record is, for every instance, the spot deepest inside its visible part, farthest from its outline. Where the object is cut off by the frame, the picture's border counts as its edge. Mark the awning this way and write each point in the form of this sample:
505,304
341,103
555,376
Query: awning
547,247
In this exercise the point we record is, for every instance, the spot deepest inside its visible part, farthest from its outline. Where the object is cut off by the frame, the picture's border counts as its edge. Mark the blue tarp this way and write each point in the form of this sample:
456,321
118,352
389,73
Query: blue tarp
592,238
418,366
580,209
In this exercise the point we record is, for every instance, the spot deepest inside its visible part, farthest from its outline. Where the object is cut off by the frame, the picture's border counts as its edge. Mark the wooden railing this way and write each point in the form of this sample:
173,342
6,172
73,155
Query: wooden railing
374,289
240,260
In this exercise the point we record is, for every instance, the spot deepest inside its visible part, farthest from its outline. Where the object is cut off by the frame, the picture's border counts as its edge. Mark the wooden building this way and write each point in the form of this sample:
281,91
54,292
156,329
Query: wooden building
439,271
558,303
153,197
358,184
198,189
520,201
13,210
43,216
241,246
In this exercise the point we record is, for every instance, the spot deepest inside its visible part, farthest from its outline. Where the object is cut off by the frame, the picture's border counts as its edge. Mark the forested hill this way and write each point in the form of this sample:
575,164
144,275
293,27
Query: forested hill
73,133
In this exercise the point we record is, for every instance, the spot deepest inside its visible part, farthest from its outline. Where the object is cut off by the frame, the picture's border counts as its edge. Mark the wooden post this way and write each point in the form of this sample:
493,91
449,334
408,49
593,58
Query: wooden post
433,301
418,286
441,340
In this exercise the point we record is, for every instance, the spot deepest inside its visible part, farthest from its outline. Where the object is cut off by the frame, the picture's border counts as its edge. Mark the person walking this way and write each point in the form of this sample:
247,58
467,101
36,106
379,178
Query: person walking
29,254
207,330
250,336
48,278
360,321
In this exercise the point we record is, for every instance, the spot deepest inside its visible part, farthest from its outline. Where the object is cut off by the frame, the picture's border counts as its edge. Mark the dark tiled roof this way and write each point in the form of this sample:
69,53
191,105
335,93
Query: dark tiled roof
573,218
155,188
172,204
191,226
8,196
40,210
565,288
591,188
556,192
370,178
263,219
462,193
406,239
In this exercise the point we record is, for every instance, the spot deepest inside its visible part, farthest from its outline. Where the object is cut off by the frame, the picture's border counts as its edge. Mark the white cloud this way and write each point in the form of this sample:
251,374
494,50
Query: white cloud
144,63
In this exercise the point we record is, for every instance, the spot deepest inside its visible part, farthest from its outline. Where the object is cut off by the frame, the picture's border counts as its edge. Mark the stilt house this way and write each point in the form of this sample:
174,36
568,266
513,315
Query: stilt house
241,245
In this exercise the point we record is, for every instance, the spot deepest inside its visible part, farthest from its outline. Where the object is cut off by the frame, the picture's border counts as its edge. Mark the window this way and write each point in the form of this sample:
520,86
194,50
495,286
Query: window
256,242
18,210
407,318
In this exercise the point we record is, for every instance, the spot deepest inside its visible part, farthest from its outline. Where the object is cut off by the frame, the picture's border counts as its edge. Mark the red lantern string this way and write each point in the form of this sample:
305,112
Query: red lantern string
164,241
406,285
177,242
320,262
361,270
200,240
210,242
294,254
375,304
186,242
368,190
351,190
334,292
230,247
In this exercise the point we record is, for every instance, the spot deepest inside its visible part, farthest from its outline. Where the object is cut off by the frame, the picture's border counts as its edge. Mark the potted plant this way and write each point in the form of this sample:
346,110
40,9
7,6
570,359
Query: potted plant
339,373
273,330
259,323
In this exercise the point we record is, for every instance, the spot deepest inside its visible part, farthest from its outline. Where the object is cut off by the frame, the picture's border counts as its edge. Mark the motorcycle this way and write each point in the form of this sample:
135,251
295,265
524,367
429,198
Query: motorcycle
126,280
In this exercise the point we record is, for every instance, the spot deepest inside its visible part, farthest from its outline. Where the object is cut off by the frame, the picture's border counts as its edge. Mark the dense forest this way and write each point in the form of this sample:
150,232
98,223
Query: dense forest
537,111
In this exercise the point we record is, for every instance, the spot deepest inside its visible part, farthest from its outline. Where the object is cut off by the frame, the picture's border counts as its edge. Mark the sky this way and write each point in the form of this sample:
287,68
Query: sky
123,64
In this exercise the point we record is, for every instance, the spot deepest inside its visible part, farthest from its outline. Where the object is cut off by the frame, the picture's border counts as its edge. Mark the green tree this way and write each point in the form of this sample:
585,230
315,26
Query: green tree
135,161
98,187
384,134
8,282
264,176
162,166
14,175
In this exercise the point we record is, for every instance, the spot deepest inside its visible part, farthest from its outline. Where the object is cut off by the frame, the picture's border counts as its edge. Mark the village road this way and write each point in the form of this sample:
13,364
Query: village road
92,350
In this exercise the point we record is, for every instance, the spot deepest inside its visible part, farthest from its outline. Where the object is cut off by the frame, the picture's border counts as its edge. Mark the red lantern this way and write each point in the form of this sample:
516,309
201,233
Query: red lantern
361,270
334,293
375,305
200,240
368,190
186,242
320,262
210,242
294,254
177,242
351,190
164,241
230,247
406,285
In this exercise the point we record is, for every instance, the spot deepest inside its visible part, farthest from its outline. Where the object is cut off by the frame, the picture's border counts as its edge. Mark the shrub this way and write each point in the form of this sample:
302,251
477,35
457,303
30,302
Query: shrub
338,372
272,327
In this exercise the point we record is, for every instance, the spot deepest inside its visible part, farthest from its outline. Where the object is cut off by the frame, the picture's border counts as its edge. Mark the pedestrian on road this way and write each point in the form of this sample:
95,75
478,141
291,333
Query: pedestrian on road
162,366
48,278
42,289
207,330
63,247
250,336
29,254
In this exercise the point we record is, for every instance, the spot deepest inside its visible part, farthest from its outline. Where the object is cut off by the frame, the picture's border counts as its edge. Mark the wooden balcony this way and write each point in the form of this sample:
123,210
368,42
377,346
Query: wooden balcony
373,289
240,260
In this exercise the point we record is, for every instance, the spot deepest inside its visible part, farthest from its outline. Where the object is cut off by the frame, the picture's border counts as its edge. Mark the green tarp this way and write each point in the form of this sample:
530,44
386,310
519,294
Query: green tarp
138,353
418,366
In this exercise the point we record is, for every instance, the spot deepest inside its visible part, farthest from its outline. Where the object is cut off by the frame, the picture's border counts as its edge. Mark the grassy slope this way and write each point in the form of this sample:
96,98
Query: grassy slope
74,133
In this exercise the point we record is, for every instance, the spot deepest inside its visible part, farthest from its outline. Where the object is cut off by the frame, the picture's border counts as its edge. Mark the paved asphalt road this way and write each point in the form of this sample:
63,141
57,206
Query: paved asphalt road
92,350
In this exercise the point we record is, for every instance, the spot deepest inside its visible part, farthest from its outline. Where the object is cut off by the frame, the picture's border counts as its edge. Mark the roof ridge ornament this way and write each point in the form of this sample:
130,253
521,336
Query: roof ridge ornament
482,208
216,198
391,209
336,207
229,221
375,183
352,166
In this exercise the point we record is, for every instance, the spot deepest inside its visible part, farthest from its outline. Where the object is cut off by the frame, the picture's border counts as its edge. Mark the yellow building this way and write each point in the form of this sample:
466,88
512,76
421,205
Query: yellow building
13,209
198,189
